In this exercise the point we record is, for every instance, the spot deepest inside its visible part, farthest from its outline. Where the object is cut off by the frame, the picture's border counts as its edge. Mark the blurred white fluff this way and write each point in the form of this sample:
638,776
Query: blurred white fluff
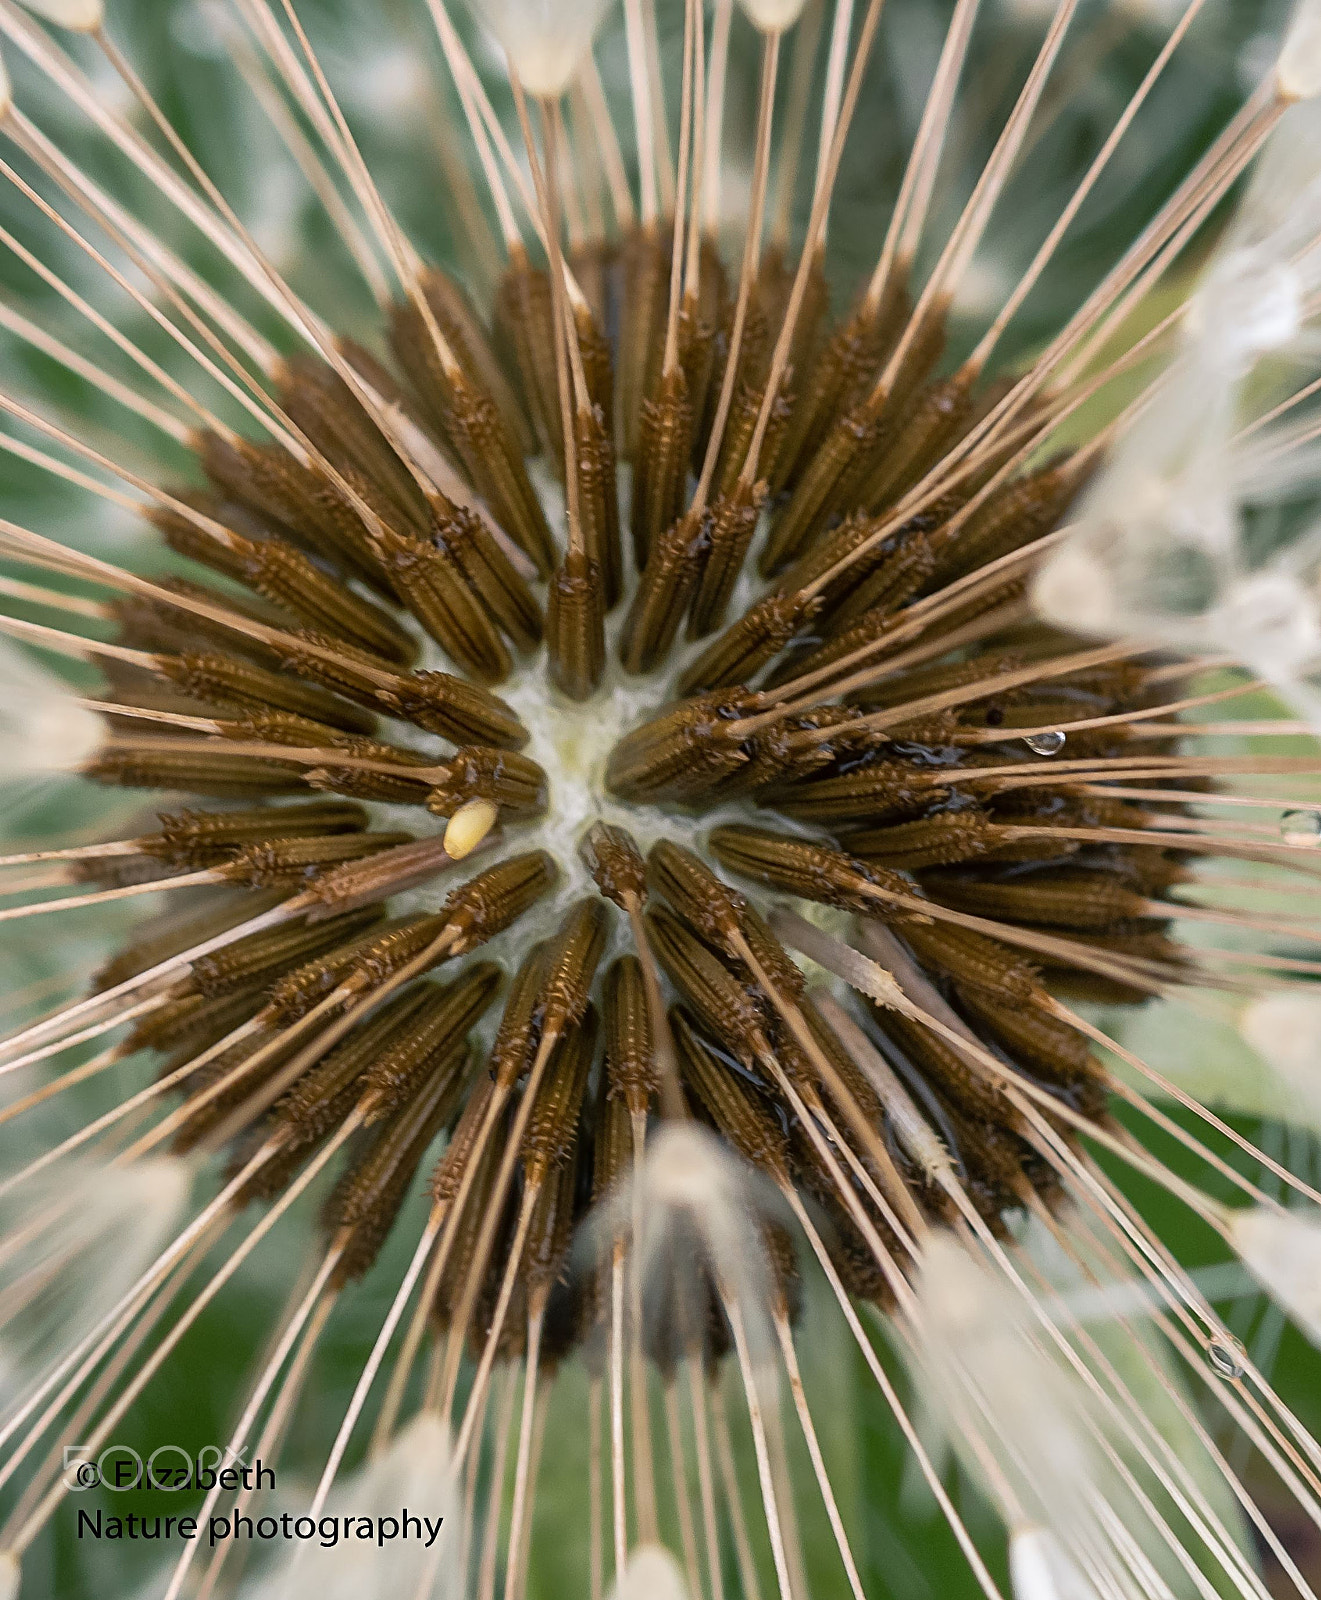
1201,533
773,16
415,1473
81,1234
651,1574
1300,60
545,40
1284,1028
83,16
1040,1570
1282,1251
1005,1395
43,729
693,1214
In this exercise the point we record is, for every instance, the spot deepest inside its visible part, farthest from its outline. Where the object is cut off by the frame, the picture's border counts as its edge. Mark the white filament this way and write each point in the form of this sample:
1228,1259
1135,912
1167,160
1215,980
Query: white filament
1167,542
11,1576
651,1574
1282,1251
43,729
546,41
82,16
1026,1423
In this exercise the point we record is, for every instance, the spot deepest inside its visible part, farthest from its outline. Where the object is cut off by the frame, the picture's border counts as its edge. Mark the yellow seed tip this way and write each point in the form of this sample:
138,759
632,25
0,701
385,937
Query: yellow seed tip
468,827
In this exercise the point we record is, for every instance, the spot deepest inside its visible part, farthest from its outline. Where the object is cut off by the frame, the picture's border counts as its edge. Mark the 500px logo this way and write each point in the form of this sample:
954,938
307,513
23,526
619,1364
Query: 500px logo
169,1466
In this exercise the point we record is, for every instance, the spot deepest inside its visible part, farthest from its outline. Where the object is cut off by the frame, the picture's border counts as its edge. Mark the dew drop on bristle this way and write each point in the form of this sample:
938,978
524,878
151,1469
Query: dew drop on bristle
1301,827
1225,1360
1045,744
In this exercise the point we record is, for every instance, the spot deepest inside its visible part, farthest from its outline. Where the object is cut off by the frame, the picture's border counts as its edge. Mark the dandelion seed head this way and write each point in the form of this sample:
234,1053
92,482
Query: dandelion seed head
546,634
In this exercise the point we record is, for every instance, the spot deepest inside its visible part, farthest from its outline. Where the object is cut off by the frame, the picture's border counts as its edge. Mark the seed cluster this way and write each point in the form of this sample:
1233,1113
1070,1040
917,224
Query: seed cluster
886,703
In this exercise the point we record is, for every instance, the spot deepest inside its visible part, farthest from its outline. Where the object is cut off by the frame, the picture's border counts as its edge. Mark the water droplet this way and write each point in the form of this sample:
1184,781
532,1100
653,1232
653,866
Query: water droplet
1225,1359
1045,744
1301,827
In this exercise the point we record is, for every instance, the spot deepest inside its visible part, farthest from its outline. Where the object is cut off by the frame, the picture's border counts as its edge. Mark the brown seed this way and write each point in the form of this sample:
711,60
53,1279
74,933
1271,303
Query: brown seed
719,999
511,781
645,260
1069,898
694,891
462,536
391,872
516,1038
732,523
436,592
215,774
366,1201
264,957
488,903
930,425
571,963
660,466
598,499
435,1031
291,863
744,1121
662,594
806,869
681,752
616,865
940,840
458,711
834,381
552,1127
631,1070
495,468
191,840
816,494
575,626
749,644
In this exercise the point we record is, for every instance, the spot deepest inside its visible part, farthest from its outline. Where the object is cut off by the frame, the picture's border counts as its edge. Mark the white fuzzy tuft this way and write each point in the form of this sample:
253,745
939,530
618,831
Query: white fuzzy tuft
416,1473
699,1212
82,16
651,1574
43,729
1073,589
773,16
86,1231
1285,1031
11,1575
546,41
1299,71
1040,1570
1282,1251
